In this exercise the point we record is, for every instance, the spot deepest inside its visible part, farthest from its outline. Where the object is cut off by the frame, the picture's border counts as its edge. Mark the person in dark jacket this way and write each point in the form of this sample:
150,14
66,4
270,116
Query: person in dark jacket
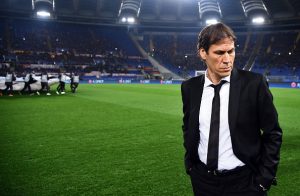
62,83
44,83
232,136
9,78
74,82
28,80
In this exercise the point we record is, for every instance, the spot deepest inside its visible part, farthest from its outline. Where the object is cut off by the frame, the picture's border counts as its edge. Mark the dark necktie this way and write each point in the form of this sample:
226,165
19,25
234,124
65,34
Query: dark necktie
213,142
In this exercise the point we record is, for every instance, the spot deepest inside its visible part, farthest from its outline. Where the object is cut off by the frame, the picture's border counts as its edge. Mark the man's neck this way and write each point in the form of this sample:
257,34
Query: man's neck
213,77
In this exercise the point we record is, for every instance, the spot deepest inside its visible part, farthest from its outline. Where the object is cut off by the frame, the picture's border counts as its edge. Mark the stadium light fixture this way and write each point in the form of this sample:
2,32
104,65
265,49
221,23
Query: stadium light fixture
129,11
124,19
211,21
131,20
43,14
43,8
255,11
258,20
209,11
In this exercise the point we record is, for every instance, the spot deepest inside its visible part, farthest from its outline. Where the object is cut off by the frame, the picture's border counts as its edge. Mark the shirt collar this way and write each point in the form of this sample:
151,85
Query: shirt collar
207,81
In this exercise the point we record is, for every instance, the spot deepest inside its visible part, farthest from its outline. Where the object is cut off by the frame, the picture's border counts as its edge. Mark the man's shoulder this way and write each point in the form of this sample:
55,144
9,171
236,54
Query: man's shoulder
193,80
249,74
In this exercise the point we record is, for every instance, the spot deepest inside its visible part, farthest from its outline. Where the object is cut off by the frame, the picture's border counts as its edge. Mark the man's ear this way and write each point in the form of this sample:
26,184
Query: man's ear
202,54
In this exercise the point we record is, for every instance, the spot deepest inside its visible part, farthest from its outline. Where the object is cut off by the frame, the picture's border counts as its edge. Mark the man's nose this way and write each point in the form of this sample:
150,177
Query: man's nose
226,58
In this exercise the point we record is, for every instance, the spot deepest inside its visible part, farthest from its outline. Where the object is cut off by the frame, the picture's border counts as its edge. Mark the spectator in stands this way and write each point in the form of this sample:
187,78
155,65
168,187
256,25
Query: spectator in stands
9,78
74,82
232,138
44,82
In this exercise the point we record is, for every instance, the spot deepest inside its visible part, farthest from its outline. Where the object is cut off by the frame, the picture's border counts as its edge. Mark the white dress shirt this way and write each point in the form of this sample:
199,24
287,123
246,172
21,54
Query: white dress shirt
227,160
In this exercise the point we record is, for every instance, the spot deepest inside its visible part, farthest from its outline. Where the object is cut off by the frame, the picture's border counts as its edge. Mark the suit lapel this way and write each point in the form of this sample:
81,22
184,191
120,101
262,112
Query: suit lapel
234,96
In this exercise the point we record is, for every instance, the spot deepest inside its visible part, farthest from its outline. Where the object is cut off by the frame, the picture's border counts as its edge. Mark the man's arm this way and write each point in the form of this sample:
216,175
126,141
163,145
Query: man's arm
186,115
271,137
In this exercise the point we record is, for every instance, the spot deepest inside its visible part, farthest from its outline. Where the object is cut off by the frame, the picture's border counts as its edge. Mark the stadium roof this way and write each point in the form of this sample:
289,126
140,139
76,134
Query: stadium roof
155,12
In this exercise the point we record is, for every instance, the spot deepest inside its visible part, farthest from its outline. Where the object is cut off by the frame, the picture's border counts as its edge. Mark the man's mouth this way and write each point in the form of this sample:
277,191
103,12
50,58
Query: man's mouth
226,69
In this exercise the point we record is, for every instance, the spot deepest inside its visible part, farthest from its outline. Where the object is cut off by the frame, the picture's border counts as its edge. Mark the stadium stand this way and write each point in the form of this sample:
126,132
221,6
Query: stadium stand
109,52
271,57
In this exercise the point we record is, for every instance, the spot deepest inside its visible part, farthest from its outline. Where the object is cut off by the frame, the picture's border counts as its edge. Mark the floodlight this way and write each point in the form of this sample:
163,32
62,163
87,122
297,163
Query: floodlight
129,11
255,11
124,19
43,8
43,14
131,20
211,21
209,11
258,20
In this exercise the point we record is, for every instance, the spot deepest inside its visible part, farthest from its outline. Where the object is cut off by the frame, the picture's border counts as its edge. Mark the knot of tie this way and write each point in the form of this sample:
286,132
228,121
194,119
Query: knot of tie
218,86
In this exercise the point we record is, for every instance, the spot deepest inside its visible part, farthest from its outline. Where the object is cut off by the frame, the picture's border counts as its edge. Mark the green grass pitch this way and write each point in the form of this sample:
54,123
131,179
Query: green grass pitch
114,139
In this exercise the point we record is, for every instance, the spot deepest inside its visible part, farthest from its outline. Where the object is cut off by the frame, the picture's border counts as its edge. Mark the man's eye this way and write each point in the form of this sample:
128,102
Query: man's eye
223,52
220,52
231,51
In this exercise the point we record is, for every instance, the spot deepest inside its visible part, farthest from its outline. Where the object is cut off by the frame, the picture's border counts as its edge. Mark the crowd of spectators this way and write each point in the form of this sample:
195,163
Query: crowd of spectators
109,50
87,48
276,55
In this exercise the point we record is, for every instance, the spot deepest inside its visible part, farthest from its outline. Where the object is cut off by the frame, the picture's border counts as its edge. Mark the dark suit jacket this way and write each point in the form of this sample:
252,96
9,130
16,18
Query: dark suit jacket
253,121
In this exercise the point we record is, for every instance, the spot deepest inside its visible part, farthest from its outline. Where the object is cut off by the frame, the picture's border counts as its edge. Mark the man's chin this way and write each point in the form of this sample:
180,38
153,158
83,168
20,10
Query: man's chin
225,73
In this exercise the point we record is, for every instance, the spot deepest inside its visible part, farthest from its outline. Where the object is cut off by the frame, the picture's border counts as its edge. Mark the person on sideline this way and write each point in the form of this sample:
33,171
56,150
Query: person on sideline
44,82
74,82
28,80
9,78
232,136
62,83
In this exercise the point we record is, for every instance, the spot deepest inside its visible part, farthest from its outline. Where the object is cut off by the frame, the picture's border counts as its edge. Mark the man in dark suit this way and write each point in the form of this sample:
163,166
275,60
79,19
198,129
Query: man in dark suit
230,126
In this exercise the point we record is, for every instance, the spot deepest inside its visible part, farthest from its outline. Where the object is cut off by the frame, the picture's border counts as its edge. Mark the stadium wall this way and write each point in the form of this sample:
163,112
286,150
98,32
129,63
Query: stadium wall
128,81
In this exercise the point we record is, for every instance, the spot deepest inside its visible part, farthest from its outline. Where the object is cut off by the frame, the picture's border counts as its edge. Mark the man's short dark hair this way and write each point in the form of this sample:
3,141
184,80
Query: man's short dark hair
212,34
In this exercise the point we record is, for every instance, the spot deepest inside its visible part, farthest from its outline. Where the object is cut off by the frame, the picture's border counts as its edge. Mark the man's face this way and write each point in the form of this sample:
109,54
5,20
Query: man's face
219,59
